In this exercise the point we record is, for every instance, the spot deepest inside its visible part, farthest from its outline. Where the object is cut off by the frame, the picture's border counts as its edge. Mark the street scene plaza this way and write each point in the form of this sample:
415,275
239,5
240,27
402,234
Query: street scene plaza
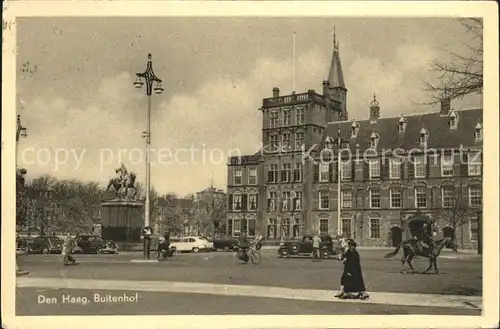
387,233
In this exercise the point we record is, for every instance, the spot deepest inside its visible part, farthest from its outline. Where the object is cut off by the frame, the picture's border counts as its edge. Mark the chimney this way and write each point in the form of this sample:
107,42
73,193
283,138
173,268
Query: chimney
276,92
445,105
374,110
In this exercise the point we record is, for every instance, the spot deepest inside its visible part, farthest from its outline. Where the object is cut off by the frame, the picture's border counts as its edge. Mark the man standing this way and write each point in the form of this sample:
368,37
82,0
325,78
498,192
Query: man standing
316,256
69,245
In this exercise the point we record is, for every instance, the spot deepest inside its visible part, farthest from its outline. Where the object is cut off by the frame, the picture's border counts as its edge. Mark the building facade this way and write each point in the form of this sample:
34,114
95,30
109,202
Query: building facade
391,170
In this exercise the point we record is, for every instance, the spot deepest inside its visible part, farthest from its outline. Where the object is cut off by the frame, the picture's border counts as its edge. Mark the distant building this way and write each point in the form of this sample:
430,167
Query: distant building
280,191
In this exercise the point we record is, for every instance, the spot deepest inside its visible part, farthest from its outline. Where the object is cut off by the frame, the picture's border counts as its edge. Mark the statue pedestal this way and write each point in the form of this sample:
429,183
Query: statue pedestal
122,220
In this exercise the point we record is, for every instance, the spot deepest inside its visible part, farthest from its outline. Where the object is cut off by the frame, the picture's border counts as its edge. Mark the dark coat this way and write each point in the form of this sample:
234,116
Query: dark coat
354,282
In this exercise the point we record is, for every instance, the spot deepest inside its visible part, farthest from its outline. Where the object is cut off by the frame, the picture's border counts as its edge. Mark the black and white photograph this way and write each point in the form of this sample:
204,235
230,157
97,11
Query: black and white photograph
243,159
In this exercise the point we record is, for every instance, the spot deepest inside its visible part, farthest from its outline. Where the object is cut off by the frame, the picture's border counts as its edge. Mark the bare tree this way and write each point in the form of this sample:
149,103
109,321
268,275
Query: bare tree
456,211
462,74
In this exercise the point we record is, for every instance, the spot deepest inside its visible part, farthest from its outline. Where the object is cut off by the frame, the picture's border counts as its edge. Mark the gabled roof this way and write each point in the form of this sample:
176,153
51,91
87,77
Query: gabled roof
440,134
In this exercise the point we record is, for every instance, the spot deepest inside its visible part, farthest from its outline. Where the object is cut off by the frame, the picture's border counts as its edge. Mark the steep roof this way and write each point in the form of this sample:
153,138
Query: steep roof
440,134
335,75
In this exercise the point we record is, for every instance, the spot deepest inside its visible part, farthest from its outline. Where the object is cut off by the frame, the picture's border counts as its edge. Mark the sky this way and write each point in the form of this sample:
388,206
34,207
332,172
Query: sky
75,90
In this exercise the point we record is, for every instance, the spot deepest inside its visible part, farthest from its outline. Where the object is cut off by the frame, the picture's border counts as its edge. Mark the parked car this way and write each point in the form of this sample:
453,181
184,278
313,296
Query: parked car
21,246
226,243
94,244
45,245
191,243
303,246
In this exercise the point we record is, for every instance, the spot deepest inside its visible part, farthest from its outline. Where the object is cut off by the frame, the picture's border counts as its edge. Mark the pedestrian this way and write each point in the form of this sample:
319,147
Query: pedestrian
69,245
352,282
316,253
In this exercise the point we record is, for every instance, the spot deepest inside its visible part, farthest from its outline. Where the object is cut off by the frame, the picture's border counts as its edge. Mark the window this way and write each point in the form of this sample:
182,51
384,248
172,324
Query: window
374,140
453,120
273,143
402,124
286,201
287,117
236,227
299,140
395,168
359,199
324,172
286,141
447,197
419,166
324,201
286,175
479,132
285,227
346,227
238,173
354,129
447,165
273,119
375,228
323,226
271,201
474,164
251,227
252,202
229,227
237,202
346,170
475,196
299,115
297,173
424,135
374,167
298,201
346,199
273,173
252,176
395,195
420,197
375,198
473,228
296,228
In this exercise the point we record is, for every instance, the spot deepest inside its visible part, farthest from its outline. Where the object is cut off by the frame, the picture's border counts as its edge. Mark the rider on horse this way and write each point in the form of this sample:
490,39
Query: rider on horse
426,239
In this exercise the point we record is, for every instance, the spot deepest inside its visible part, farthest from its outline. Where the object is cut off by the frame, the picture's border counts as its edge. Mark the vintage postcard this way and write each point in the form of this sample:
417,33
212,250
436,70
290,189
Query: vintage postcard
250,164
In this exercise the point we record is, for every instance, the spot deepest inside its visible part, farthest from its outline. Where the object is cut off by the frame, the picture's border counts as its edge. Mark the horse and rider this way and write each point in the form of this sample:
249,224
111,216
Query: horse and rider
422,244
123,182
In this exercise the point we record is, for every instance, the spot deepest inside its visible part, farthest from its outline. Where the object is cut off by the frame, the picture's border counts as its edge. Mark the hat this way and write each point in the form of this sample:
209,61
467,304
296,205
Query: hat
351,243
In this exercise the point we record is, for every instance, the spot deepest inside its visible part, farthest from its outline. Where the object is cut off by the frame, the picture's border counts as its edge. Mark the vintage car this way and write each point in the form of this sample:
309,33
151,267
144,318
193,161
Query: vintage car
94,244
45,245
225,243
191,243
303,246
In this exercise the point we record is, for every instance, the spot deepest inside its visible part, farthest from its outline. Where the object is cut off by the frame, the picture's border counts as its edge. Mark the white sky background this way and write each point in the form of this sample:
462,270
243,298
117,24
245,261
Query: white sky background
81,98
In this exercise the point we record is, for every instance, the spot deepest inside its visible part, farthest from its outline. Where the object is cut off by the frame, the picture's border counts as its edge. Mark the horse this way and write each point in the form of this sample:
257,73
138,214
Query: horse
127,183
412,248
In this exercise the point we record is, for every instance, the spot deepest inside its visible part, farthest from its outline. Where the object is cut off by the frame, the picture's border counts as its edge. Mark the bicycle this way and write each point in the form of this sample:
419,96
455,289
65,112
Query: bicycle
253,255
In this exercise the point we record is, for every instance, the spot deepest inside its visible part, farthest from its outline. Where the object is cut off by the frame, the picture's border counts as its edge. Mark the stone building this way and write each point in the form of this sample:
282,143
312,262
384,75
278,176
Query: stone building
391,170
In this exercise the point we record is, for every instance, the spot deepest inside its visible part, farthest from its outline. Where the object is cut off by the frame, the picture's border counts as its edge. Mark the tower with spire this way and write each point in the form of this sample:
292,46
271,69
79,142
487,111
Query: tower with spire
334,89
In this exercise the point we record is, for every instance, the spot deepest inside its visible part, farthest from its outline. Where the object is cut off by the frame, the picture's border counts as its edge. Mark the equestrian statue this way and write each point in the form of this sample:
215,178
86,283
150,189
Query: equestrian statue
122,183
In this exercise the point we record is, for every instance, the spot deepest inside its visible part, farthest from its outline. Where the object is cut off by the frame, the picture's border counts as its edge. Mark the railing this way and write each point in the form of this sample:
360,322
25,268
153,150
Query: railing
293,99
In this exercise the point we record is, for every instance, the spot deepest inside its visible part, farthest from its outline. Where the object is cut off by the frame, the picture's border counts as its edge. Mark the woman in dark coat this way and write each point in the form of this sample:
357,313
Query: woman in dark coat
352,278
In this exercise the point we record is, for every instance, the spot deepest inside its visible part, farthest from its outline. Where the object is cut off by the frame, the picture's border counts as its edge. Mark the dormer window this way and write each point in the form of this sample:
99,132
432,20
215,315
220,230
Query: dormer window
402,124
354,129
479,132
424,136
374,140
453,119
328,143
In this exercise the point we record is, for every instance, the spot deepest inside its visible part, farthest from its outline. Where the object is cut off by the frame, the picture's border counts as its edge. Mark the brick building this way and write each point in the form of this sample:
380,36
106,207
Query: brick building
391,169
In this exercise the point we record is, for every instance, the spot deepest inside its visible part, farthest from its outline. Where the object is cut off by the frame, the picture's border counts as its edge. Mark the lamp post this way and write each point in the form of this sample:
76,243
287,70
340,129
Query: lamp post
149,78
339,141
21,131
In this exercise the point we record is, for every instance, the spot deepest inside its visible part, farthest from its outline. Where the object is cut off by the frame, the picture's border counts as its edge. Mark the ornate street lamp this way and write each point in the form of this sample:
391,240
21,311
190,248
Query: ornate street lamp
150,78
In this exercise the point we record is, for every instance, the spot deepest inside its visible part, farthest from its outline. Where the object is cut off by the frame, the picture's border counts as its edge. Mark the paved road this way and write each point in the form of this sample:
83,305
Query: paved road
459,277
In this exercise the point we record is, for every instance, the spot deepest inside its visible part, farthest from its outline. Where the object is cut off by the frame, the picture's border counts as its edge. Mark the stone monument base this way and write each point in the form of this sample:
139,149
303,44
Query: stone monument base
122,220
